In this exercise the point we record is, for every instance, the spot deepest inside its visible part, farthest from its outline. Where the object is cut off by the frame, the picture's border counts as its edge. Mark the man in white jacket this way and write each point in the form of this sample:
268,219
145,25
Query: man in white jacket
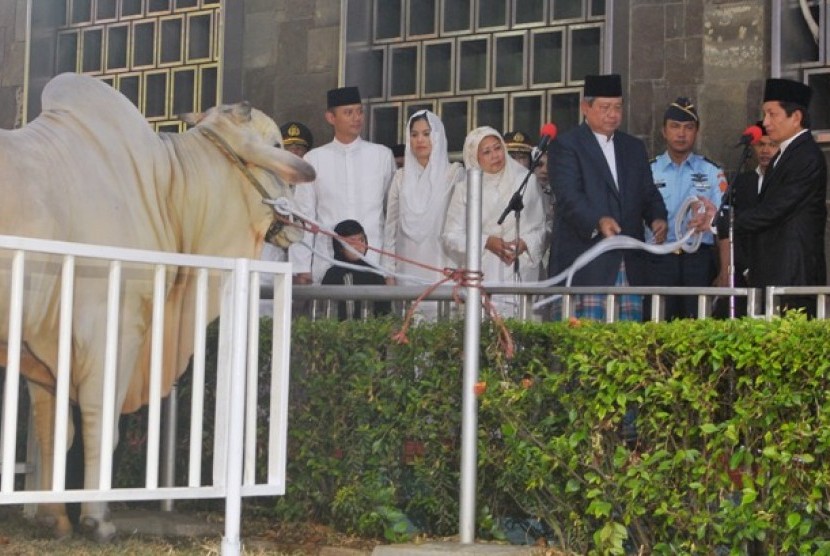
353,176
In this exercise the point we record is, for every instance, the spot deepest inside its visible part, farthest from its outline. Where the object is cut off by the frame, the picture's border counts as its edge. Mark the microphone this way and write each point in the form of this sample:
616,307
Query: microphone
548,134
750,135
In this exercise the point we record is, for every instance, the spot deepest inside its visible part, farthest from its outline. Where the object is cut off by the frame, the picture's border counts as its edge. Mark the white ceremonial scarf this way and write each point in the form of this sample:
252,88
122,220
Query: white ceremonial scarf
424,190
504,181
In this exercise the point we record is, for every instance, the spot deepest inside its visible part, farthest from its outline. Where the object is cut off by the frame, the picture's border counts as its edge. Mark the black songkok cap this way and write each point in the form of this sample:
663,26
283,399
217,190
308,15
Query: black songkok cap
343,96
295,133
681,110
603,86
786,90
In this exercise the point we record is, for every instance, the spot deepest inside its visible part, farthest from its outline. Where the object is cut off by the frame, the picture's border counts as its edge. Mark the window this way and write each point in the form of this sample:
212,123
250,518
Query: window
474,64
491,111
802,53
509,70
421,18
385,121
438,68
548,52
530,12
404,71
161,54
515,64
117,37
526,111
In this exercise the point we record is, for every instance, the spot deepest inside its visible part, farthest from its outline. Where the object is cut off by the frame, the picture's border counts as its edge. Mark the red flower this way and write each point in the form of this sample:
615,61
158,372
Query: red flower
480,387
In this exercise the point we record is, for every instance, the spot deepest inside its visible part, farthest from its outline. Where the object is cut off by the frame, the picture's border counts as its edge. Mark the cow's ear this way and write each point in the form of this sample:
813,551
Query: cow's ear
192,118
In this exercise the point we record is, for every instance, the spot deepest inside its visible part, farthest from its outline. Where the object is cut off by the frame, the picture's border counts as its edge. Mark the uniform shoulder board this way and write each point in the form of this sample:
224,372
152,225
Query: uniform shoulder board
712,162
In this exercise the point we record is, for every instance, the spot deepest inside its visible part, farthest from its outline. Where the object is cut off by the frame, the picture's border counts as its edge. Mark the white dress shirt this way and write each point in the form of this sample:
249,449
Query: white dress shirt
607,146
351,183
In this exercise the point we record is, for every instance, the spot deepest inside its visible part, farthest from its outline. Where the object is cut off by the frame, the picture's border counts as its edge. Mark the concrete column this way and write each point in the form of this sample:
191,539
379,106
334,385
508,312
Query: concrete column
291,58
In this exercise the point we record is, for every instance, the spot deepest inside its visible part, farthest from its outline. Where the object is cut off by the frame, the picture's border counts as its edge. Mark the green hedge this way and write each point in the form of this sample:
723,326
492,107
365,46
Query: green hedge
732,422
706,473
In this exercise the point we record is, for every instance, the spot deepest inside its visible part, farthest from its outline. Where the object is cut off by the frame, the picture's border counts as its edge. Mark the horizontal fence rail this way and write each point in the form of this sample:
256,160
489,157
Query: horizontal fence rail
243,426
320,301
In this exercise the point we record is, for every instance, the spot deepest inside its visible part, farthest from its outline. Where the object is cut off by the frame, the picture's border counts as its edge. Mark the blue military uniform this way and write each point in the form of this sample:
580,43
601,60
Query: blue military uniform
696,176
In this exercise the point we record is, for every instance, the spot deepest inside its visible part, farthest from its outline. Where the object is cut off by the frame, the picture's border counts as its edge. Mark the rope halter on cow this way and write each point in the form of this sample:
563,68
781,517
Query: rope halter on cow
280,220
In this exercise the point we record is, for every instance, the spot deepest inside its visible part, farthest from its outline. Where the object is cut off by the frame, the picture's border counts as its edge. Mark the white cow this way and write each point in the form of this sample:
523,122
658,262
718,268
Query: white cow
90,169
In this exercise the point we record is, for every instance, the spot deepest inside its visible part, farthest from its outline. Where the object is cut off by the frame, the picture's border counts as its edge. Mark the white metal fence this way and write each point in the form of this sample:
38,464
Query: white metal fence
321,301
241,430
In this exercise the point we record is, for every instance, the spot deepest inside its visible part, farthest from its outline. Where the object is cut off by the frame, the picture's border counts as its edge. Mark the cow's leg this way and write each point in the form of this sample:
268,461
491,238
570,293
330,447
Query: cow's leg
95,518
43,411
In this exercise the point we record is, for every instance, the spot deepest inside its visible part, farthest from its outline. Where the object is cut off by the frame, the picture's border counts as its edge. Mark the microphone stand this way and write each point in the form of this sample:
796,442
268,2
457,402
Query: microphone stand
516,204
729,207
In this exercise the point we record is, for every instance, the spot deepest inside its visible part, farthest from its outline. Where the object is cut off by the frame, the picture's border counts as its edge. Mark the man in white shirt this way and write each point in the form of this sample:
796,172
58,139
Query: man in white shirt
353,177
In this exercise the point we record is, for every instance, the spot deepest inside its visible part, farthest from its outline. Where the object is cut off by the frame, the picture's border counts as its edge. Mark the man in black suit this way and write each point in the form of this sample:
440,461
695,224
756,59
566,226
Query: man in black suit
744,190
786,227
603,187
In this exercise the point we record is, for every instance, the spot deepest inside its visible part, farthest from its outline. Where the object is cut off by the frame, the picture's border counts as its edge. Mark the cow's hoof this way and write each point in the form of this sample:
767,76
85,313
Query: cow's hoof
98,530
60,526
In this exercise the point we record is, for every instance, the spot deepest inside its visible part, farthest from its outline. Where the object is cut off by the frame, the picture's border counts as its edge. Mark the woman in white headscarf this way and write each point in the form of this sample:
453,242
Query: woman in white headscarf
484,149
417,202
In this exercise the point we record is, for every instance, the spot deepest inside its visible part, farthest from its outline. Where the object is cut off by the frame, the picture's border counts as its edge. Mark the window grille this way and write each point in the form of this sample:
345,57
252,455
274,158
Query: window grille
512,64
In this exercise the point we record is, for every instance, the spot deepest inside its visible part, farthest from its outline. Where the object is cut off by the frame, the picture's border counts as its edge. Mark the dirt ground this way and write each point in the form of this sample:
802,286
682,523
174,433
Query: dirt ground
260,536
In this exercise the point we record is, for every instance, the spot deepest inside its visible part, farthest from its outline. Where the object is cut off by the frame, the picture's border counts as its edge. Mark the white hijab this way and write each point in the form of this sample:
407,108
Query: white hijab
507,176
424,190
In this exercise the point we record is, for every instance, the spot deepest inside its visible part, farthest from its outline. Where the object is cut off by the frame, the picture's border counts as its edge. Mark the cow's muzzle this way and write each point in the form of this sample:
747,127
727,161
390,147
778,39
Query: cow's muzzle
283,233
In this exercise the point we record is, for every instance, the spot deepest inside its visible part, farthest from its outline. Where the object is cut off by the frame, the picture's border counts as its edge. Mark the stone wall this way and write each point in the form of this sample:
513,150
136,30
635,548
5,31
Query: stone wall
290,58
12,55
713,51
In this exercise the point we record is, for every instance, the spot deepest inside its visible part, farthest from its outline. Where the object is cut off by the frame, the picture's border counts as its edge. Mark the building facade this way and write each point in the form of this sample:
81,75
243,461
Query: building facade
512,64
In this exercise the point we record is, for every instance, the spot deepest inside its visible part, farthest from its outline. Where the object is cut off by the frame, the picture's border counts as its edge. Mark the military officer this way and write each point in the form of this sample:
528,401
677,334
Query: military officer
518,147
297,138
680,173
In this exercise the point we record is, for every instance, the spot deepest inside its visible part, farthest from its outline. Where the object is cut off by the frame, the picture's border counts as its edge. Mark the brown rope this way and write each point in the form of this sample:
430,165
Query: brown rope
279,221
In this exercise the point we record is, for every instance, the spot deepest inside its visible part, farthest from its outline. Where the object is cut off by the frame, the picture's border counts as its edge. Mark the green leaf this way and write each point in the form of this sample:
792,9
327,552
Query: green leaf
793,520
599,508
749,496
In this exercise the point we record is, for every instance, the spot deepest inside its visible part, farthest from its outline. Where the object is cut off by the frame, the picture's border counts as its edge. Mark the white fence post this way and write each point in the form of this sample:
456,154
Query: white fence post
236,418
472,336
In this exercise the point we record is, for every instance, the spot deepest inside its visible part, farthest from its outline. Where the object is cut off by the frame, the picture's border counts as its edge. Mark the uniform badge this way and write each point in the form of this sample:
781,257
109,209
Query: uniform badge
700,182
